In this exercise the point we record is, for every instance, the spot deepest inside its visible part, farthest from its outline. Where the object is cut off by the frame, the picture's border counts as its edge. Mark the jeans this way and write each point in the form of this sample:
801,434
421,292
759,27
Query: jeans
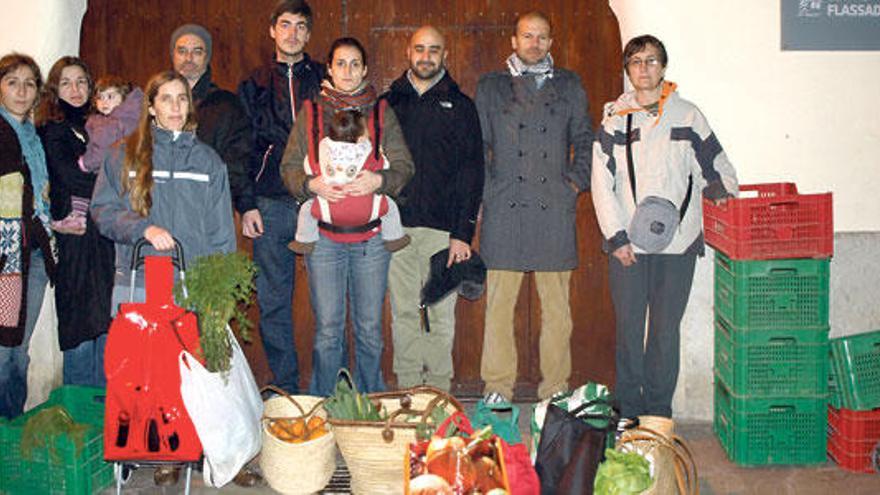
84,364
356,274
276,265
14,360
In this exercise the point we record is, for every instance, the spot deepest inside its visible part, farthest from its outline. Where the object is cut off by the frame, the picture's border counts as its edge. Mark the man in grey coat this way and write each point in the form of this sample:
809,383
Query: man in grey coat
537,139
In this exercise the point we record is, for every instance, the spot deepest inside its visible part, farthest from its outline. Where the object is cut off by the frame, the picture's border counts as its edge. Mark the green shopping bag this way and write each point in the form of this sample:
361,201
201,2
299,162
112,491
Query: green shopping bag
504,418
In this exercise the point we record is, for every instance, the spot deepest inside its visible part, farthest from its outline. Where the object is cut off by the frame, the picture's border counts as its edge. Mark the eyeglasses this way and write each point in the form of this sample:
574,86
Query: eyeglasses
649,62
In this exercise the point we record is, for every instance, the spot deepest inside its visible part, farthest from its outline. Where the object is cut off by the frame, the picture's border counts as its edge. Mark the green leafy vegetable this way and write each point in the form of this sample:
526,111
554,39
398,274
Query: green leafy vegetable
44,427
347,404
218,285
622,473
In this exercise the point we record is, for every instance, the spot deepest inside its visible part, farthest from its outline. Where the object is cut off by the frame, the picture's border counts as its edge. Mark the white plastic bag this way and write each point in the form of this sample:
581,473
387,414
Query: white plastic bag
226,414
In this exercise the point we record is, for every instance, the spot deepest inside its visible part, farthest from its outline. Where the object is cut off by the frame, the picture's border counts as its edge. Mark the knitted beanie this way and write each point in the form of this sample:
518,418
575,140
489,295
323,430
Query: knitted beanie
193,29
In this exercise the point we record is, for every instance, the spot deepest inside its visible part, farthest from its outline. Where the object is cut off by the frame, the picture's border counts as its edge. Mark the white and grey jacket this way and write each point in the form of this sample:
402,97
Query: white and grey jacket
667,148
190,194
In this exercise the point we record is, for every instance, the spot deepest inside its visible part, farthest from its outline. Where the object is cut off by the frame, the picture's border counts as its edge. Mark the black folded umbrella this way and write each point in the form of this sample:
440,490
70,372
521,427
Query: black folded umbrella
468,276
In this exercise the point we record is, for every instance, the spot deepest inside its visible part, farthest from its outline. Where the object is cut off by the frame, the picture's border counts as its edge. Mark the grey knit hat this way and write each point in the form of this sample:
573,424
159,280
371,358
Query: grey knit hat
194,29
653,225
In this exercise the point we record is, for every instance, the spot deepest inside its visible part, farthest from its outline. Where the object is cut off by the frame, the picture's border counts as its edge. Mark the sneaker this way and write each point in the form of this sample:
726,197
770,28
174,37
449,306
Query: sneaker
301,247
495,398
625,424
397,244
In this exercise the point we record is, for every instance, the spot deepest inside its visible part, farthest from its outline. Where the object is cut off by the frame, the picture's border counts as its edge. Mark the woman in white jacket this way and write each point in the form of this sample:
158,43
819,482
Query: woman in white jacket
653,155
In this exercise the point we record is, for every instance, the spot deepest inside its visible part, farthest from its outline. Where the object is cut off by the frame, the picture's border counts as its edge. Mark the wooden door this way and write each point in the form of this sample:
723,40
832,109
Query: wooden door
132,39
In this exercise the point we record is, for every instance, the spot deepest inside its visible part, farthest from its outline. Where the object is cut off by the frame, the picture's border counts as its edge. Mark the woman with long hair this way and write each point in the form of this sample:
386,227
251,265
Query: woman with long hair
85,257
348,265
163,184
25,247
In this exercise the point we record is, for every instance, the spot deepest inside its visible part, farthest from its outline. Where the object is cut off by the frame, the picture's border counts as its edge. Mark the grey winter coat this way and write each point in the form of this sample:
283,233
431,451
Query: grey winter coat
191,200
537,147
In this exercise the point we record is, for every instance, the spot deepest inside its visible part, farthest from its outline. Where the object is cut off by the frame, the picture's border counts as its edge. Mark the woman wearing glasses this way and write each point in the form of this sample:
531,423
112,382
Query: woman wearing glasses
653,157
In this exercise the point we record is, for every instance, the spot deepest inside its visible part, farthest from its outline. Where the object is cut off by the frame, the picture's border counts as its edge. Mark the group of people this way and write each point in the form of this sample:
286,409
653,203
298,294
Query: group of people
368,187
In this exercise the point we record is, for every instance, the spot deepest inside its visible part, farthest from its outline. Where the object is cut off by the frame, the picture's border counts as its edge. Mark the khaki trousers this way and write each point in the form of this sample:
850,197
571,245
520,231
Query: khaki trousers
420,357
499,361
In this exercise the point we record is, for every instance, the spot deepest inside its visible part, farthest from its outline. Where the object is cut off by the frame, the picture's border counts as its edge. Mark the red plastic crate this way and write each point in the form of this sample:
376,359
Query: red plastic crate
857,457
776,223
855,425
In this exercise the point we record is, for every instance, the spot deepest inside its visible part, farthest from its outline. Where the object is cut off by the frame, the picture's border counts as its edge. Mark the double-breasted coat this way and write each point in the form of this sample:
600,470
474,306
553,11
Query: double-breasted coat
537,145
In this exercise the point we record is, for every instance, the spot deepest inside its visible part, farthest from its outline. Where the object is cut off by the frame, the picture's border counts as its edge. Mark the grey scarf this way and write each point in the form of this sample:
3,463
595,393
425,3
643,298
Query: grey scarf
543,70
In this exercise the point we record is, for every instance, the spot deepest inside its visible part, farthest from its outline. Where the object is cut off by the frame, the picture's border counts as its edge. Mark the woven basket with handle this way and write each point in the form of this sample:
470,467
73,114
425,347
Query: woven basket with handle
373,449
296,468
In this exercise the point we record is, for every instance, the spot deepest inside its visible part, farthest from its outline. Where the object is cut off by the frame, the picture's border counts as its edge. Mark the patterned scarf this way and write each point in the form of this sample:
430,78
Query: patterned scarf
543,70
32,148
362,97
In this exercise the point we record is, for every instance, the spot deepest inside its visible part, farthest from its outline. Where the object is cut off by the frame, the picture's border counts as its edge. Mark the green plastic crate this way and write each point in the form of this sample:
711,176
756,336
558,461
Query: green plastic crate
758,432
772,295
856,363
84,473
772,363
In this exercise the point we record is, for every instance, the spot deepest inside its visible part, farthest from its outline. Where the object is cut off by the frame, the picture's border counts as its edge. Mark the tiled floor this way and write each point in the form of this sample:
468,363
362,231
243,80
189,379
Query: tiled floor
718,476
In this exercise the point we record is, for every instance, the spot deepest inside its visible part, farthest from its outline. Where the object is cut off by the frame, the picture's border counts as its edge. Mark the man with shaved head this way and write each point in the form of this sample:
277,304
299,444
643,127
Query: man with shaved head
537,137
438,206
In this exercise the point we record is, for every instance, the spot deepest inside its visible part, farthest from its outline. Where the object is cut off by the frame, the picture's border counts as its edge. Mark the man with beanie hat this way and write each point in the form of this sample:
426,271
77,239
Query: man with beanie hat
272,96
223,123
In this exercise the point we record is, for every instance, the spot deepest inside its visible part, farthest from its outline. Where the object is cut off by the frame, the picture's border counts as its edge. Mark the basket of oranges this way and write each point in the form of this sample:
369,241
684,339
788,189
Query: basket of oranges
296,433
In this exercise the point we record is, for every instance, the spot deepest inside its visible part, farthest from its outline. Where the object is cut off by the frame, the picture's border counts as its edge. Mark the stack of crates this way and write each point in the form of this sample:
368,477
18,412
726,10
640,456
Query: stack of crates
854,409
772,262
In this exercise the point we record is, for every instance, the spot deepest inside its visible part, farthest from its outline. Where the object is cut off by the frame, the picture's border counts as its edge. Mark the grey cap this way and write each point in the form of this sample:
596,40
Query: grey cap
654,224
194,29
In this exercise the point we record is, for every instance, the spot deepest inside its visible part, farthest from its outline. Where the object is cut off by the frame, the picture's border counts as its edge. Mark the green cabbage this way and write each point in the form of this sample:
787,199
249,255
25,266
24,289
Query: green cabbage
622,474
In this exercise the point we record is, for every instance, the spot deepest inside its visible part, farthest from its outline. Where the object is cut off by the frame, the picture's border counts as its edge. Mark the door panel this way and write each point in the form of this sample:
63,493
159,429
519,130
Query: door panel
131,39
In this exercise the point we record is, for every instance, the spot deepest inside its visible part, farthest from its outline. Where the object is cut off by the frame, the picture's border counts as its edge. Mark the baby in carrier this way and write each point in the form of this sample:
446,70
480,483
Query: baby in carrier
342,155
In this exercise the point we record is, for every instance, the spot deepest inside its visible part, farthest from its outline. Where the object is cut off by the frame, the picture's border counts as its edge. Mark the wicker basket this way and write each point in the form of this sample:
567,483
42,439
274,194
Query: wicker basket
296,468
672,465
373,449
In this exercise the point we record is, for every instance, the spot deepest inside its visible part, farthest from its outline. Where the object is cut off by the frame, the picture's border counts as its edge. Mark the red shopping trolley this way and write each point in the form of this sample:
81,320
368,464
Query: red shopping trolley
145,421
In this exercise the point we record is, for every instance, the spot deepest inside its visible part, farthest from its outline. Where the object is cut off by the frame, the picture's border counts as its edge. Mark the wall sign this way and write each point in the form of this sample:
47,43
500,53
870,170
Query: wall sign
830,24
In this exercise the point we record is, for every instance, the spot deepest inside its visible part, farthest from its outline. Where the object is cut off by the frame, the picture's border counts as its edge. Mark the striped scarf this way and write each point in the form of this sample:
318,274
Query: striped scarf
363,97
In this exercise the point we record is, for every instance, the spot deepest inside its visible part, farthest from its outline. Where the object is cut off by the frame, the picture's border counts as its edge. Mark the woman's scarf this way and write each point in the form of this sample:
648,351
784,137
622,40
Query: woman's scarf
32,149
362,97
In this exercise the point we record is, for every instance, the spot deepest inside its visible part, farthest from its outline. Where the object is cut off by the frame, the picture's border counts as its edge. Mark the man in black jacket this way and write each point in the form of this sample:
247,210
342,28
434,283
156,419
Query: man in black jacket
438,206
272,96
223,124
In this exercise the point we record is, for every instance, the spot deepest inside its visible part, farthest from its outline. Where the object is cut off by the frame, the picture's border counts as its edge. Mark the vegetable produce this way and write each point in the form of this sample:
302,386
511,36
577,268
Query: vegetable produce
217,284
347,404
45,426
466,465
622,474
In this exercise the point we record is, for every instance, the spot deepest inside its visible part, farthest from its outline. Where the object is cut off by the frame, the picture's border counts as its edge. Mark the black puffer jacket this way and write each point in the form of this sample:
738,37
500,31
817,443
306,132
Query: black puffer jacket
266,96
224,126
442,131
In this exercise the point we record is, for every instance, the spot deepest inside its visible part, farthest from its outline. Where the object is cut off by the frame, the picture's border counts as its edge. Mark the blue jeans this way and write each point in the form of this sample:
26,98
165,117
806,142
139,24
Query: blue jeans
84,364
276,265
355,274
14,360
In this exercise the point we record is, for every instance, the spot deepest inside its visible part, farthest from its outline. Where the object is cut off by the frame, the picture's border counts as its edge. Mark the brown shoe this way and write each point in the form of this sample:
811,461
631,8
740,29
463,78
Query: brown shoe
397,244
247,478
166,475
301,247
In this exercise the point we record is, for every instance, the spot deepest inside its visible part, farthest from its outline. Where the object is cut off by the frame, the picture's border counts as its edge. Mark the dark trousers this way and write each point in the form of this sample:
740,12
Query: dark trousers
647,370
